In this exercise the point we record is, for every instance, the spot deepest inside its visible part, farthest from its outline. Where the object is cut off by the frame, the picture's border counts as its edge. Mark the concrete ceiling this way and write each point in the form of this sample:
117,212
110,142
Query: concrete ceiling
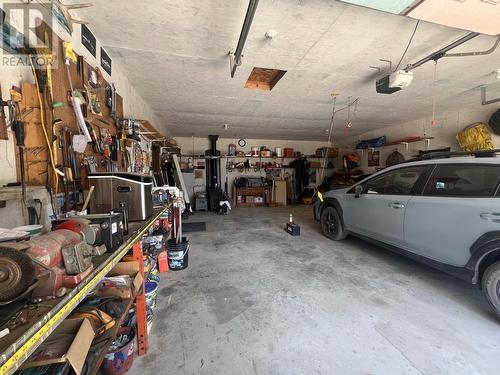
175,54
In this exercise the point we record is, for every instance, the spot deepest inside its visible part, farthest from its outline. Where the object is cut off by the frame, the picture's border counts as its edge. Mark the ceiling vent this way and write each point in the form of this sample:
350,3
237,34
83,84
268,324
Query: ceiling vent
264,79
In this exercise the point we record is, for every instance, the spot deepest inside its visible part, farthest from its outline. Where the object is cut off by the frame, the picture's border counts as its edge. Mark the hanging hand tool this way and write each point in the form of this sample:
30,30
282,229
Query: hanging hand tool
55,122
96,144
113,104
72,165
42,117
114,148
87,200
73,97
90,163
79,69
18,127
3,122
67,171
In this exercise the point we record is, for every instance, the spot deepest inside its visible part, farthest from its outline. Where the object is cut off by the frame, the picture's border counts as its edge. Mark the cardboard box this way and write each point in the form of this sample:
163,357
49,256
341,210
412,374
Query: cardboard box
280,196
69,343
125,268
120,292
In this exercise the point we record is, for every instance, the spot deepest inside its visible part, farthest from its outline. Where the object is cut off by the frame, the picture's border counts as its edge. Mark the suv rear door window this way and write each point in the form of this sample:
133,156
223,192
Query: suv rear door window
398,182
458,180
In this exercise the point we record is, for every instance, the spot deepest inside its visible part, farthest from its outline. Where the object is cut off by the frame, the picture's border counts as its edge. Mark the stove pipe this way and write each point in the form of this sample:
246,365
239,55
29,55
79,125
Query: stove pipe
213,163
213,173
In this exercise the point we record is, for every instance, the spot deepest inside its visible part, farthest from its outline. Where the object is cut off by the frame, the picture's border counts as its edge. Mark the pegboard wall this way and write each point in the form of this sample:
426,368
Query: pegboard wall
37,156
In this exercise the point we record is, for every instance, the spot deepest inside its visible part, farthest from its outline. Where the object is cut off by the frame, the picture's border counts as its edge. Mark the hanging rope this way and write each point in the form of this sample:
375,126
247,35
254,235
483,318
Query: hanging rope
433,122
323,167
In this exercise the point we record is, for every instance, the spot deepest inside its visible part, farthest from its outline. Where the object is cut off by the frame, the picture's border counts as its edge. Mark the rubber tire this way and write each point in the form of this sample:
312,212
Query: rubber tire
491,286
339,233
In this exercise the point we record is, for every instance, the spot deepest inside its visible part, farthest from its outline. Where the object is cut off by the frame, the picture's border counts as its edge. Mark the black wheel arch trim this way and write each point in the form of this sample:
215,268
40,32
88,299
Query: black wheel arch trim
488,243
331,202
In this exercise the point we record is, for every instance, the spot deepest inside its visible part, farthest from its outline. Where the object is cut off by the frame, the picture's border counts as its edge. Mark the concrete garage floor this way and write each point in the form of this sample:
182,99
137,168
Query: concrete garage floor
256,300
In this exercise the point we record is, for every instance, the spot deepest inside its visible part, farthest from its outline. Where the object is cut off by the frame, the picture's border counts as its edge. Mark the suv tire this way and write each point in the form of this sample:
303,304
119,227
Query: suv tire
331,224
491,286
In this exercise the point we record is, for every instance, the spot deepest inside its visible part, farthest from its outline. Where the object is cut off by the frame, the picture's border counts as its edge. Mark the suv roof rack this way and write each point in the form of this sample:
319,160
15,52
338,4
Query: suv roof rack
450,154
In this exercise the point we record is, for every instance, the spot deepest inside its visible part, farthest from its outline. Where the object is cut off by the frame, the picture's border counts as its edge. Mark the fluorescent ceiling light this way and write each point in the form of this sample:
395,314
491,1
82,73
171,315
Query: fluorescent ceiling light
474,15
391,6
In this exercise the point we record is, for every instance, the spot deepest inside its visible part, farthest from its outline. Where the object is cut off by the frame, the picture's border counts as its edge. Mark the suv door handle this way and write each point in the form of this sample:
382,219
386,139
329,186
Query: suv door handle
396,205
491,216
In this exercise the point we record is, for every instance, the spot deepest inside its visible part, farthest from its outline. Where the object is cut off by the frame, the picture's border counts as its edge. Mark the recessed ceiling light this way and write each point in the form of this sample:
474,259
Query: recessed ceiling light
270,34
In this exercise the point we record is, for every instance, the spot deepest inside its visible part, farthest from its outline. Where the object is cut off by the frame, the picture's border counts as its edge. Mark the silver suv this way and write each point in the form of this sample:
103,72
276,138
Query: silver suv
442,212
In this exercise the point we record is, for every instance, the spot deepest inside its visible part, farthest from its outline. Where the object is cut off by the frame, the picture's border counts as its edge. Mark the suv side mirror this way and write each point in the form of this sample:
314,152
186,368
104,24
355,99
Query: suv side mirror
358,190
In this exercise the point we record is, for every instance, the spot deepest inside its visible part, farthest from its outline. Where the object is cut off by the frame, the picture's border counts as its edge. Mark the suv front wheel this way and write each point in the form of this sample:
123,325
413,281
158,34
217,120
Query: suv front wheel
331,224
491,286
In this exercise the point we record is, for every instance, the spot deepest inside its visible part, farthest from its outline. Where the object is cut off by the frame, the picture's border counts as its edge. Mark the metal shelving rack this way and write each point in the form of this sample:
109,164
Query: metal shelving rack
25,345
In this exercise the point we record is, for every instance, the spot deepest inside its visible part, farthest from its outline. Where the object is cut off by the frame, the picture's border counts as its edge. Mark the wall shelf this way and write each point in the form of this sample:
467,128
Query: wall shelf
404,142
251,157
19,348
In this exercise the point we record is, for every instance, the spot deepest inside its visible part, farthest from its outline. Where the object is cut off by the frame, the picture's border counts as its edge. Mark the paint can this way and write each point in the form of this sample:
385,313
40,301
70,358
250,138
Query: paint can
119,360
279,152
178,254
255,151
151,292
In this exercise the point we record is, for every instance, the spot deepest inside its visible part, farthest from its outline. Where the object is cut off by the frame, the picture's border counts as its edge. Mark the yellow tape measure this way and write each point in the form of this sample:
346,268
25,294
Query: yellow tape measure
30,345
24,351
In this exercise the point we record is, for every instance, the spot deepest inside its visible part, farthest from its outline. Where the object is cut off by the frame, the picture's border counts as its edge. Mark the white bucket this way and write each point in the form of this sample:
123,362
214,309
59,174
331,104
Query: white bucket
279,152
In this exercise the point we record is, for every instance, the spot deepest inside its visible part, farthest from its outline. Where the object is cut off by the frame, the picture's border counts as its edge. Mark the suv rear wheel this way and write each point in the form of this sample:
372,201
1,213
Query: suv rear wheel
331,224
491,286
